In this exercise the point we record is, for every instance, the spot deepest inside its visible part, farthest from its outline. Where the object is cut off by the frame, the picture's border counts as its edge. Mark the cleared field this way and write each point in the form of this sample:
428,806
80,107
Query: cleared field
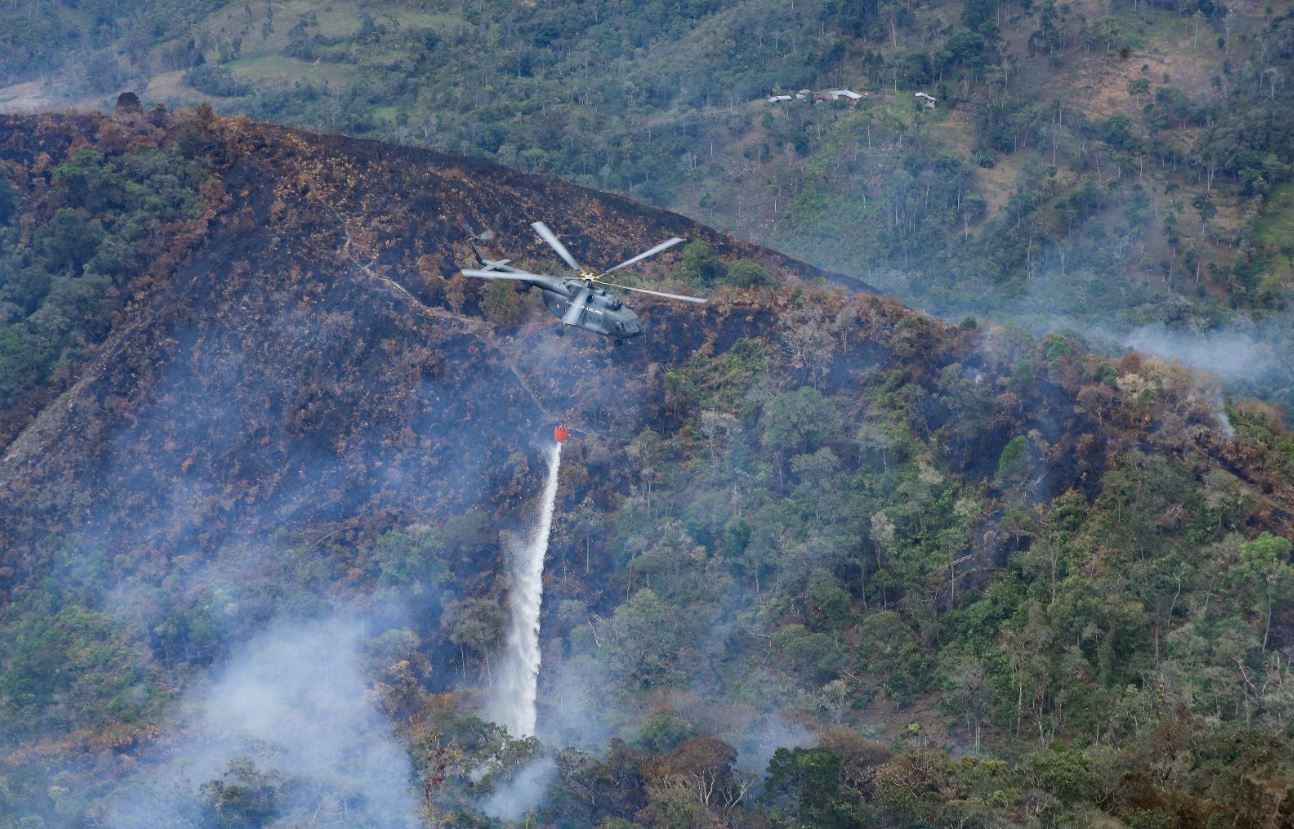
279,70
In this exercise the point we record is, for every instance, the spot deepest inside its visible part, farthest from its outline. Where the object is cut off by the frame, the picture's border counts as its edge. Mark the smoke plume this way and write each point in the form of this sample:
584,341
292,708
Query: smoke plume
285,735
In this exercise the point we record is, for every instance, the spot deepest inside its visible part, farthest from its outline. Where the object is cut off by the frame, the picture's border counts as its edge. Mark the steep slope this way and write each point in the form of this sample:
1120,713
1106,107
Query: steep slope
303,366
798,502
1112,166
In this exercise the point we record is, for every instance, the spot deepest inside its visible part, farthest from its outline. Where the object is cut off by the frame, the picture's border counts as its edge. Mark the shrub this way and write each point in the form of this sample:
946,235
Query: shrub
216,80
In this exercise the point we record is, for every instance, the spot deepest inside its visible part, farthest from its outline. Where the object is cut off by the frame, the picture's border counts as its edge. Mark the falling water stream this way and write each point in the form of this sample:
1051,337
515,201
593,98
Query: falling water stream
519,678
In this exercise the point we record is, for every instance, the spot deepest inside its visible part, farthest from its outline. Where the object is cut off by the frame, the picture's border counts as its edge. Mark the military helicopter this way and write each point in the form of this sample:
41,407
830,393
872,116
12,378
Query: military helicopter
581,301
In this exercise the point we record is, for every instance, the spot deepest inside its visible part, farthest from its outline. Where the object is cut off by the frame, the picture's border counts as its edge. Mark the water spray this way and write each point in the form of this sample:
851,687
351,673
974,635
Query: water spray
519,678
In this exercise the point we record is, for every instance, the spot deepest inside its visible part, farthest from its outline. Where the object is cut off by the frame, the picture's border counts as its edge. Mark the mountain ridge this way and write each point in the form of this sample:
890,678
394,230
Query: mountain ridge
240,205
798,502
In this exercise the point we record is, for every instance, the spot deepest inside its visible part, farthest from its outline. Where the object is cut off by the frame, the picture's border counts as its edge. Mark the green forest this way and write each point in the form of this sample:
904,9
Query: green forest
84,239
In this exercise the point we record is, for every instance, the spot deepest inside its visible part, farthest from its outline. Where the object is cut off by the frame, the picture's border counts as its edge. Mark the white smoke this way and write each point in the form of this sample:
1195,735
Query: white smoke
1233,352
289,724
514,697
1250,356
523,792
763,738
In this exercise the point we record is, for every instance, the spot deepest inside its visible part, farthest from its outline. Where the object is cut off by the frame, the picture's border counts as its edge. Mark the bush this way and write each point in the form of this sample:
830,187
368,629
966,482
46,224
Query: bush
1013,456
665,732
501,304
816,657
243,798
699,264
216,80
745,273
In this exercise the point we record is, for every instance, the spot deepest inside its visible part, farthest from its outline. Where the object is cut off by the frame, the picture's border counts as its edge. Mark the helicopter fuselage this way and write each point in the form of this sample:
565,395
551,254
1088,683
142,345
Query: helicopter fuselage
604,314
578,302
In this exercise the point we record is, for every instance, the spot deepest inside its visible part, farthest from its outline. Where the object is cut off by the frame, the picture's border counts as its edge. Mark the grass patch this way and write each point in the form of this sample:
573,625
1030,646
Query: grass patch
279,70
1274,239
389,58
337,22
1275,227
386,113
408,19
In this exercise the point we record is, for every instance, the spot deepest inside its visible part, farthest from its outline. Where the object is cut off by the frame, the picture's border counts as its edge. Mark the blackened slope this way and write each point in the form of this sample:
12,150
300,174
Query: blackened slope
308,366
511,199
304,364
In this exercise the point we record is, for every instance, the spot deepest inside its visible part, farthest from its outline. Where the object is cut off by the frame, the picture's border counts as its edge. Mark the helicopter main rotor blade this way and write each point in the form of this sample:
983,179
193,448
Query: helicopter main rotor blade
698,300
665,245
576,310
556,244
552,282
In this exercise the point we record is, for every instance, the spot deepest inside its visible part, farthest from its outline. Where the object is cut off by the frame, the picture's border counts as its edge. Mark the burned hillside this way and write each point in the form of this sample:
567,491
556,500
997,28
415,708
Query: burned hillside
800,492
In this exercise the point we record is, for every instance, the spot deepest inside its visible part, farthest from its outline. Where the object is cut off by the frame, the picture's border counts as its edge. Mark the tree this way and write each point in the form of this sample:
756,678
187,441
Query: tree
1013,457
1264,569
798,422
1064,772
967,692
817,657
1207,210
805,786
72,667
413,557
645,634
808,340
69,240
478,625
1097,400
700,264
8,202
244,797
745,273
1047,37
664,732
698,772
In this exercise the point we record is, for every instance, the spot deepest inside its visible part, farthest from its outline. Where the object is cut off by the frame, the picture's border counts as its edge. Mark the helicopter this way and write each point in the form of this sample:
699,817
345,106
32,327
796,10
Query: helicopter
582,300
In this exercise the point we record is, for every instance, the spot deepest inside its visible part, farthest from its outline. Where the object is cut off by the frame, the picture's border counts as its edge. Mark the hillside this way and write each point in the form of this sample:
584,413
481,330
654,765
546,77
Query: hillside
1119,170
818,559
